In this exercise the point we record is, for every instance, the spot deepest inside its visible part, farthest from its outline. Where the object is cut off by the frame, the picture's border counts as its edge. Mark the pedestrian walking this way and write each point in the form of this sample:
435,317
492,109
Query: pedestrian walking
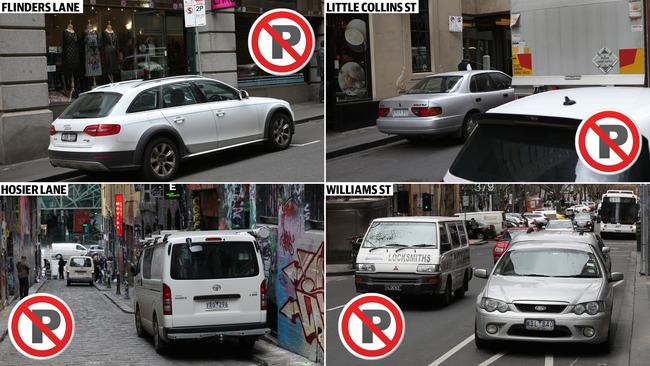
61,267
23,276
464,64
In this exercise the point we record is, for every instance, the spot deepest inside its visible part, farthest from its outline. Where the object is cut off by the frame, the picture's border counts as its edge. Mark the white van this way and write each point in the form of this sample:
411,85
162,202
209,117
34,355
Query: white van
66,250
80,269
199,285
496,218
415,255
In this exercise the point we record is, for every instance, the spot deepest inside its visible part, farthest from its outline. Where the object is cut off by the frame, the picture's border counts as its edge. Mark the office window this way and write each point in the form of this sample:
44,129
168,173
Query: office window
420,44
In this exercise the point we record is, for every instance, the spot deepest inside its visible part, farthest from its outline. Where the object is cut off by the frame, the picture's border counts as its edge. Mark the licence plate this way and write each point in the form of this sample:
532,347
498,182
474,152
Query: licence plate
69,137
80,271
216,305
393,287
546,325
400,112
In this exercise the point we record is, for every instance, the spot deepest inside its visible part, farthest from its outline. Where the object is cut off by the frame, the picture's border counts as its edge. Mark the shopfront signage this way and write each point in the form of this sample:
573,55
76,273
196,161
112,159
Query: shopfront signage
223,4
194,13
119,212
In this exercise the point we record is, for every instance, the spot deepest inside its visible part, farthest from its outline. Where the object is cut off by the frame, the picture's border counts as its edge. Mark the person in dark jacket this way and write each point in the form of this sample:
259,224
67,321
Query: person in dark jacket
61,267
23,276
464,64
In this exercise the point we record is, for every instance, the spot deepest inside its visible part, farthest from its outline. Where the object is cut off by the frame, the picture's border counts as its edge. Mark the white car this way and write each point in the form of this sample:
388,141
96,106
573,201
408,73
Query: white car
532,139
201,285
66,250
80,269
152,125
580,208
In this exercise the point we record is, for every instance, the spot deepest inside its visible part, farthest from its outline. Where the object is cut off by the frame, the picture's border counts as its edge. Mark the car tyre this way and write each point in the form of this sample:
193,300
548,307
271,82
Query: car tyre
68,283
469,125
606,345
446,299
481,344
158,343
247,342
161,160
280,131
138,323
460,293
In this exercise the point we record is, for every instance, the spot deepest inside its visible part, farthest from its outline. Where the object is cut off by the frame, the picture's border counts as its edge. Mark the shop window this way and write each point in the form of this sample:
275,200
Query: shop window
112,43
351,56
420,43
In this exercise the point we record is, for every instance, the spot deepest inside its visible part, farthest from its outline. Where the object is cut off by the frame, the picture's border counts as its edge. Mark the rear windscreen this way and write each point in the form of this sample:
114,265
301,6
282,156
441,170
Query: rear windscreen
216,260
80,262
501,150
91,105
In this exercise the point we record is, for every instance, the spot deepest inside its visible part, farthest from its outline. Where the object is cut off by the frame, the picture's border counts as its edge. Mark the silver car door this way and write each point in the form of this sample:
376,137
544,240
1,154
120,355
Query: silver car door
194,121
480,91
237,119
502,83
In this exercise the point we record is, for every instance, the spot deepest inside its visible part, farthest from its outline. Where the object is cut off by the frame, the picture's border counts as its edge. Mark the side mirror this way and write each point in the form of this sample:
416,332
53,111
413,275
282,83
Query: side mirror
244,94
445,248
481,273
605,250
358,240
261,232
616,276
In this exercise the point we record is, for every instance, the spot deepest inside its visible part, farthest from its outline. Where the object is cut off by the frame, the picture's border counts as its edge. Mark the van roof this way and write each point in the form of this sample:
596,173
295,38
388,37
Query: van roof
417,219
226,235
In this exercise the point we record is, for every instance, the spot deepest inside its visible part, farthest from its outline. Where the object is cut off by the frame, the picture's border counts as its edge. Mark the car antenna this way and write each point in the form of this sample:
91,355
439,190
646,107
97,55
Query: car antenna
569,101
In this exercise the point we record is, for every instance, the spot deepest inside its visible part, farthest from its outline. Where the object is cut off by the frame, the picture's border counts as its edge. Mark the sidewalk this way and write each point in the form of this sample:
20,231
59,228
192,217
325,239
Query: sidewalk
339,270
348,142
4,314
639,349
40,169
118,300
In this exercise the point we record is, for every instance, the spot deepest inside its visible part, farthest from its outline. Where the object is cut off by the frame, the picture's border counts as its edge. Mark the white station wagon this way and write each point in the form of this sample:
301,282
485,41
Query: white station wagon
200,285
152,125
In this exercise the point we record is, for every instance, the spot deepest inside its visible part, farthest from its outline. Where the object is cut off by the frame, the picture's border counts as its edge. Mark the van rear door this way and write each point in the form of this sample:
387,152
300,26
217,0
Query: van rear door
218,285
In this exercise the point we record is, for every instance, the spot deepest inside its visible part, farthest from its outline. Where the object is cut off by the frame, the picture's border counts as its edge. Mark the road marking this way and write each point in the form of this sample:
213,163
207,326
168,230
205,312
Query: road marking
548,360
336,307
490,360
305,144
451,352
618,283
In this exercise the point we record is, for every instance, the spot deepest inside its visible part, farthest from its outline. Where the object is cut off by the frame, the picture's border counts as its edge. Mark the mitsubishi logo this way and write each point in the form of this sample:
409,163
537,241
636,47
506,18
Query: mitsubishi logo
395,269
216,287
540,308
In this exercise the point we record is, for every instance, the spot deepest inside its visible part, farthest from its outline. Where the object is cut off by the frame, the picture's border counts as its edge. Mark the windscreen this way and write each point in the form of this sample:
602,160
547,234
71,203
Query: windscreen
401,234
549,262
500,149
91,105
559,224
80,262
215,261
435,84
619,210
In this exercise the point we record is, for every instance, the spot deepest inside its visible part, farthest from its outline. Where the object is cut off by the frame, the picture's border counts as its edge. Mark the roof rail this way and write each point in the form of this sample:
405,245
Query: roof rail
157,80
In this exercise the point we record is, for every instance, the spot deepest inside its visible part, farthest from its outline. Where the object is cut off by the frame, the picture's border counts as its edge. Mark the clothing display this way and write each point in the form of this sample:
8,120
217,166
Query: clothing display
93,61
71,56
111,63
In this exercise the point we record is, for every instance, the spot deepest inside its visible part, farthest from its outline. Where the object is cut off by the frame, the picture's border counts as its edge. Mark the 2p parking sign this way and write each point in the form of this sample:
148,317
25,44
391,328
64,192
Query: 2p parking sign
41,326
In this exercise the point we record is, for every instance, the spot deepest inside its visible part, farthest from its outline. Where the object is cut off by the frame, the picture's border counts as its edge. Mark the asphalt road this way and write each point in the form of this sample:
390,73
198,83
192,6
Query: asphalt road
301,162
445,336
401,161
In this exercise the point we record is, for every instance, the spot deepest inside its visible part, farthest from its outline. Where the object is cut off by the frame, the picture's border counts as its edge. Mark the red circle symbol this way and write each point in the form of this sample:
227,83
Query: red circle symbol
261,47
348,332
21,336
627,153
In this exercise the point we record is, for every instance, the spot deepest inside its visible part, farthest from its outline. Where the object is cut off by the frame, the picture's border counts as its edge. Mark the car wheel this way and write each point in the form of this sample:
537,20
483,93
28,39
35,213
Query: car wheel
280,133
68,283
446,297
138,323
158,344
247,342
469,125
460,293
415,139
606,345
481,343
161,159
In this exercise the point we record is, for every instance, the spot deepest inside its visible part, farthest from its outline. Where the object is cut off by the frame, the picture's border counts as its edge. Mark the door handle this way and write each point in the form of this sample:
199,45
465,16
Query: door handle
506,95
220,113
478,99
179,120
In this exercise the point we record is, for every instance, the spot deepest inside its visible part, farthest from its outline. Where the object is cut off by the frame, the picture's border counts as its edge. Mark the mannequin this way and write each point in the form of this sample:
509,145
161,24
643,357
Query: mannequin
71,58
111,64
93,61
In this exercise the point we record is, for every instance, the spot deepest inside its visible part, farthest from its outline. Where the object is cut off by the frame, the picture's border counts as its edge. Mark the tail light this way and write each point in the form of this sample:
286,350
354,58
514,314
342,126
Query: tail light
501,246
263,295
102,130
52,130
383,112
167,300
426,111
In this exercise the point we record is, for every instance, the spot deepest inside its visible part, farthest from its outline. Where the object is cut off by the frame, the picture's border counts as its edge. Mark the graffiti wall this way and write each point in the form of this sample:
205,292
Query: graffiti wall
299,280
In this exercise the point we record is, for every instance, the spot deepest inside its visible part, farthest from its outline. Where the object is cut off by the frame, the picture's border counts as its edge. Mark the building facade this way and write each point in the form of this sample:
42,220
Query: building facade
47,60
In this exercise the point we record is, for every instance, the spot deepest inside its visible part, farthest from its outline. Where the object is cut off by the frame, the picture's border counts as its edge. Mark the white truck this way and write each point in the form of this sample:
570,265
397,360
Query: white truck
563,44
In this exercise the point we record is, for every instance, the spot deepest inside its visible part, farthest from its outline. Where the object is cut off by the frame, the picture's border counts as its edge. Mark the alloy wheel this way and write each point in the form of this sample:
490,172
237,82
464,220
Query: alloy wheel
281,131
162,159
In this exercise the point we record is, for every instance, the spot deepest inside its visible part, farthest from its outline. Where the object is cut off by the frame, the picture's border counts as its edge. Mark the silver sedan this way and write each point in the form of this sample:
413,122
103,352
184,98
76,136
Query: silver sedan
444,103
546,293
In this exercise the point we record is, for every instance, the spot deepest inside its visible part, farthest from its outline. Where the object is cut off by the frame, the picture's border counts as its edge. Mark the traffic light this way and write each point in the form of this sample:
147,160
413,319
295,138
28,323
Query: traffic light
426,201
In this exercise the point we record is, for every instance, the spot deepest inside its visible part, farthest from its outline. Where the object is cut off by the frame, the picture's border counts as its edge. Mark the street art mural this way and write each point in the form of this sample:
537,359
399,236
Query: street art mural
235,201
300,276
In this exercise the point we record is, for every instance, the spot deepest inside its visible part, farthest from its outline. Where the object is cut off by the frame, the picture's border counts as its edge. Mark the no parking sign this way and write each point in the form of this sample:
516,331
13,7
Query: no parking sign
371,326
281,41
41,326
